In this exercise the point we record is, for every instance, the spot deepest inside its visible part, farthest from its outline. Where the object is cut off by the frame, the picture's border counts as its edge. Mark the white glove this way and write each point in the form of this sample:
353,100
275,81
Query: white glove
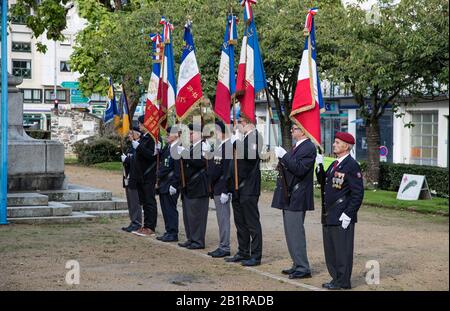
280,152
237,136
224,198
135,144
123,157
157,148
172,190
206,147
180,150
345,220
319,159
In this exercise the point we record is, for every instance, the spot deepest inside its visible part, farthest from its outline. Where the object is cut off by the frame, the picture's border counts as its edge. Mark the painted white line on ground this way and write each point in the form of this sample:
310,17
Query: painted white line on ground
266,274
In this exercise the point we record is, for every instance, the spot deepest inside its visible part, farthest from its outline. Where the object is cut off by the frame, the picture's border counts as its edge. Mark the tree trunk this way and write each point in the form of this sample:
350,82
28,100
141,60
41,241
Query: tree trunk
373,152
286,134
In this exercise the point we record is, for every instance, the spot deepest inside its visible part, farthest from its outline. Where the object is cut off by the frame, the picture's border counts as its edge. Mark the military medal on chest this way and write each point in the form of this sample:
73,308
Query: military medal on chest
338,180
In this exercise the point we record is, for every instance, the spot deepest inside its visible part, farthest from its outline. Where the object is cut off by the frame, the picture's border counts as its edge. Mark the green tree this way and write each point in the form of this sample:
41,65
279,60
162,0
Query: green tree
401,49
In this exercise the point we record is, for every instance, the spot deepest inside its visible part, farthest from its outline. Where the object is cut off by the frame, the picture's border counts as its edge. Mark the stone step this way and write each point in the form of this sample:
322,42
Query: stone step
78,193
52,209
114,204
76,217
108,214
26,199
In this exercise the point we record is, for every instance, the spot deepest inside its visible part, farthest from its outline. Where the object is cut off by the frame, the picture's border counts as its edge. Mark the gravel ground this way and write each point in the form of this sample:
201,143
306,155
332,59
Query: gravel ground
411,249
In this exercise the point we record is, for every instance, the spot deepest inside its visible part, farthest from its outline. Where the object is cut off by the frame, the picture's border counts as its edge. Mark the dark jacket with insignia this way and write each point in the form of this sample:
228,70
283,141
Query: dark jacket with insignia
248,152
196,177
146,160
219,166
343,191
169,169
130,169
298,168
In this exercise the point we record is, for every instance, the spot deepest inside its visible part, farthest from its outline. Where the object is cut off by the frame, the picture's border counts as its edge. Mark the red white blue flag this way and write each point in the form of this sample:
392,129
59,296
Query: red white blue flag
154,91
308,100
251,78
226,85
190,92
167,75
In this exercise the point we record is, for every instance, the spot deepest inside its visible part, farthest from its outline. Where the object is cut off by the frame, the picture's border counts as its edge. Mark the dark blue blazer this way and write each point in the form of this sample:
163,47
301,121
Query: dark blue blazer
298,168
343,191
169,169
146,160
196,177
219,166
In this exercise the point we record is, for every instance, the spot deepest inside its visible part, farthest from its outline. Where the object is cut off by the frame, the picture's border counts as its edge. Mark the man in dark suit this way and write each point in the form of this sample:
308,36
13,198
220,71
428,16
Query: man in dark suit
295,195
146,151
168,183
195,195
343,192
218,173
245,199
130,178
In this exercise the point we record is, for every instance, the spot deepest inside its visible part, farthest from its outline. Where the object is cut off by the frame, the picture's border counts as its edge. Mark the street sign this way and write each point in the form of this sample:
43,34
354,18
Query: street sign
75,92
70,85
78,100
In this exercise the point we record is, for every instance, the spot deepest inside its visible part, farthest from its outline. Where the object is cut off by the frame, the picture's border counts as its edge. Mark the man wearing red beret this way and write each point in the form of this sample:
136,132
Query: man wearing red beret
343,192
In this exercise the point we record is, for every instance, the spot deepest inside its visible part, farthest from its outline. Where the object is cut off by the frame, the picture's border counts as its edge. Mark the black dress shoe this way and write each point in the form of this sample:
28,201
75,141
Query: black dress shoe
184,244
132,228
193,246
288,271
251,262
236,258
168,238
300,275
219,253
331,286
213,252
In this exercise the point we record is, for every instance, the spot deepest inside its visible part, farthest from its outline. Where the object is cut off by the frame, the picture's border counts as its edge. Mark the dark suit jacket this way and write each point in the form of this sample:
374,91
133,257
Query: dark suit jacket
219,166
146,160
298,168
248,165
195,173
345,182
169,169
130,167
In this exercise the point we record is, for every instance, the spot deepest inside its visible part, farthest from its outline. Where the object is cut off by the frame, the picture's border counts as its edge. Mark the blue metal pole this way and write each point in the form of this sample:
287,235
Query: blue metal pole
4,119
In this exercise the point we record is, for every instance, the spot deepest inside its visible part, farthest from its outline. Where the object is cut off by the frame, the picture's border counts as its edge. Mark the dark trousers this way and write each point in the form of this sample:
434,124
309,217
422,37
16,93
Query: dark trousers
338,245
134,209
147,198
248,226
195,217
170,213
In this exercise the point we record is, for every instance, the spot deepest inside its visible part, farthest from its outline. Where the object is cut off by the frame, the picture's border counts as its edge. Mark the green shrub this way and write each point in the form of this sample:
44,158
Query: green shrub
93,150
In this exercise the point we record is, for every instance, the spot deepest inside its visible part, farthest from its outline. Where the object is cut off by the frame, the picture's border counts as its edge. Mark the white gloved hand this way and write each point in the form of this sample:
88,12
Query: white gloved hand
224,198
280,152
206,147
180,150
172,190
345,220
123,157
158,145
135,144
319,159
237,136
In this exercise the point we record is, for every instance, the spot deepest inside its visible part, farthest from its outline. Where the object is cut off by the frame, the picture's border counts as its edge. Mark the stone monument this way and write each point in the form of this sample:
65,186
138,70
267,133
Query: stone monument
32,164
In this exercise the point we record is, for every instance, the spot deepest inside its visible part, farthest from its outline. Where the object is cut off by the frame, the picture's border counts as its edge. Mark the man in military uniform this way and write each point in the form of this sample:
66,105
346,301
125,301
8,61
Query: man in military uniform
218,172
146,151
245,199
343,193
168,185
130,184
195,195
295,195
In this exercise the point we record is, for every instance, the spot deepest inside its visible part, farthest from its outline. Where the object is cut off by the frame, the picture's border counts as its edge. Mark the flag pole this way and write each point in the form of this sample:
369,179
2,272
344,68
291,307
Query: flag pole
236,173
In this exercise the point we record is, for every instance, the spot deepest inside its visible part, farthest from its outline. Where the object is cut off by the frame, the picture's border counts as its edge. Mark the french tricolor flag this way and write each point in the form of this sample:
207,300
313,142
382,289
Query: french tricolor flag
251,77
190,92
167,75
154,91
308,100
226,85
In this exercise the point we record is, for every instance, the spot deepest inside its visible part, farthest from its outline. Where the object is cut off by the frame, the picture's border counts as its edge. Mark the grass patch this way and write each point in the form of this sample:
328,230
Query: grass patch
109,166
70,160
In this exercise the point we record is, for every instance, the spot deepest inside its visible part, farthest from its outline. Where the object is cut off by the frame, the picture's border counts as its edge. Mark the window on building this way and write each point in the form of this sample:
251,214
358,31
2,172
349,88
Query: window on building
21,47
21,20
67,40
32,95
21,68
424,138
61,95
64,66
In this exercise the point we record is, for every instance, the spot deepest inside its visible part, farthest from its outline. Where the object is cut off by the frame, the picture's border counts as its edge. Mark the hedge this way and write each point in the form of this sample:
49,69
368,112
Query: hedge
93,150
391,176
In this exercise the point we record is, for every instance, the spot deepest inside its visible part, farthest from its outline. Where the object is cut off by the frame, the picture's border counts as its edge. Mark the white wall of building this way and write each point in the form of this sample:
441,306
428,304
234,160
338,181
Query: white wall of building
402,135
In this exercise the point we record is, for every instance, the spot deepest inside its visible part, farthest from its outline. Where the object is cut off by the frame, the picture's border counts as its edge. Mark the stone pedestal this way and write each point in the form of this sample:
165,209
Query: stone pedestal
32,164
